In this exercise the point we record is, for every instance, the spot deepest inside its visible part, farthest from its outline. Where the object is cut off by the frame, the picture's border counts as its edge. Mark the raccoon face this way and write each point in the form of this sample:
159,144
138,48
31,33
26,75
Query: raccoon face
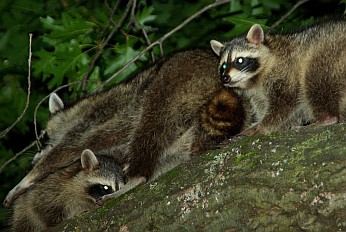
100,175
239,58
237,68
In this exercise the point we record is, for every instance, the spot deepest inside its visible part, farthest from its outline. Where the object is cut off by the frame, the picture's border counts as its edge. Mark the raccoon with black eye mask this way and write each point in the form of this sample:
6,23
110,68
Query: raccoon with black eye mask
289,78
158,119
67,192
243,64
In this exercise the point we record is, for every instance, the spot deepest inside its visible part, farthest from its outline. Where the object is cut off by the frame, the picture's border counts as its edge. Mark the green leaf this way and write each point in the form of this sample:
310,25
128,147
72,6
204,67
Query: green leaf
69,59
242,25
68,27
271,4
145,16
125,54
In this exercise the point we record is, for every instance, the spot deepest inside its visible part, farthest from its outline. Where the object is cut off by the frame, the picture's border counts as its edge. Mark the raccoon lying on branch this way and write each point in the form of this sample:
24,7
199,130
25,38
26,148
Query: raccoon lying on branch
157,120
67,192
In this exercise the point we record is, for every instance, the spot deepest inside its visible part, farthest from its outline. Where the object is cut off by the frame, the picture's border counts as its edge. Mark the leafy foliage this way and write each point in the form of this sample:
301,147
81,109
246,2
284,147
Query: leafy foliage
69,34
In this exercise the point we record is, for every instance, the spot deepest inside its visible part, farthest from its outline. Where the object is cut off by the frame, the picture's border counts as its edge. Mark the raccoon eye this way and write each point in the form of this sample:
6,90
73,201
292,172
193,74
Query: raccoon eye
246,64
241,63
223,67
99,190
240,60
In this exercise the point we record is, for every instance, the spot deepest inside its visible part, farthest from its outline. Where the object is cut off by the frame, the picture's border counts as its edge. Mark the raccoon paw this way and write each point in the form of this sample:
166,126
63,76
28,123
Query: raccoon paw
325,121
13,195
233,139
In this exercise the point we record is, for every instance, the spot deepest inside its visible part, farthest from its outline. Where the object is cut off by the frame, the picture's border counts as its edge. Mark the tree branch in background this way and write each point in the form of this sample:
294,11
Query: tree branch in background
18,154
148,43
102,47
144,32
160,41
288,13
110,19
133,17
3,133
38,137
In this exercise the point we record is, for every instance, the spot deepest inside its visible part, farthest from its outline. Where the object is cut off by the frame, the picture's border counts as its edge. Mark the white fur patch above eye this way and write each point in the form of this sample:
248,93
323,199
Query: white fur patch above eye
236,54
224,58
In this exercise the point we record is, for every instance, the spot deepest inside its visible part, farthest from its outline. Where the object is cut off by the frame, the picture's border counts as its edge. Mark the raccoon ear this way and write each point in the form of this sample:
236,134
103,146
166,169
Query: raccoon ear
55,103
89,160
255,35
216,46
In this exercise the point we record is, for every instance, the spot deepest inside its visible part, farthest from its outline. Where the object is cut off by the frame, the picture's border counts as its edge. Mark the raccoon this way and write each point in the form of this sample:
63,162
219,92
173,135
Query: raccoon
288,78
168,112
67,192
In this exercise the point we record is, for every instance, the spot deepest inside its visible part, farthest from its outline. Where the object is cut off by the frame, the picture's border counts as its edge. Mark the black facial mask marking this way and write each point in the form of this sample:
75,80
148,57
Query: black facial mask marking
99,190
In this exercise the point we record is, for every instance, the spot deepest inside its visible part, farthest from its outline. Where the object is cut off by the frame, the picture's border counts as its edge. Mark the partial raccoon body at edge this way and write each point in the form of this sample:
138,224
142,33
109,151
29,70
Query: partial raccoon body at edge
288,78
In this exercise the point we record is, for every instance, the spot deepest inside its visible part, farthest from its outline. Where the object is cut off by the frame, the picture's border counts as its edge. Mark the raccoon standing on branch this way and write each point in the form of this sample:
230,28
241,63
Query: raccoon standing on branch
288,78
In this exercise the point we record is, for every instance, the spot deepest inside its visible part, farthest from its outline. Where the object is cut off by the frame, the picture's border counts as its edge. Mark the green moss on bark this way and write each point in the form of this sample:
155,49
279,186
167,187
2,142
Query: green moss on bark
289,181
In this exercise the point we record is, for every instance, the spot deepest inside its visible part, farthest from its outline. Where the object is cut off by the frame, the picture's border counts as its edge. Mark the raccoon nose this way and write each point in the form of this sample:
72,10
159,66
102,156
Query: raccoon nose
225,78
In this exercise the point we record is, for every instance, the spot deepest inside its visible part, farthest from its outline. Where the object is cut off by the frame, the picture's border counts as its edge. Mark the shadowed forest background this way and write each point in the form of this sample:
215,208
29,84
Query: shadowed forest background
78,46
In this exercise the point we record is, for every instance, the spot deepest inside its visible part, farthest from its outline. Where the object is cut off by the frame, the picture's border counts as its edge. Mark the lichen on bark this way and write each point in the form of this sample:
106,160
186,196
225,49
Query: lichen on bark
293,180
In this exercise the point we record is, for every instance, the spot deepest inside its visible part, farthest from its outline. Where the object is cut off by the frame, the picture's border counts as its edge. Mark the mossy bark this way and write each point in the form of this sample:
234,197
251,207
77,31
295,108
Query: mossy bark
288,181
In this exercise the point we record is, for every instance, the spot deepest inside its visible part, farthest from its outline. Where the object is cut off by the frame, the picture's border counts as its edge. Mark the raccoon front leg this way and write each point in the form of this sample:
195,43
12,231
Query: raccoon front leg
272,122
281,108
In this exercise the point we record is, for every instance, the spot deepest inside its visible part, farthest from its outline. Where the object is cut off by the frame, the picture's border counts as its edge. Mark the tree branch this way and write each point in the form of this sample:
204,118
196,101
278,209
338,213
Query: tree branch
110,20
288,13
133,17
147,40
100,51
18,154
38,137
160,41
2,134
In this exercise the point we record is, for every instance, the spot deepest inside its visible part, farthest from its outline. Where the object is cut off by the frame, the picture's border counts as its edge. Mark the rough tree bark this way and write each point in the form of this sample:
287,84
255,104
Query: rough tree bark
288,181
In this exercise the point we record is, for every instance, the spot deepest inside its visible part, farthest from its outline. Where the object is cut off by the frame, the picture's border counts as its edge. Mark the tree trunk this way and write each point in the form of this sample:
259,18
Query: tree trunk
289,181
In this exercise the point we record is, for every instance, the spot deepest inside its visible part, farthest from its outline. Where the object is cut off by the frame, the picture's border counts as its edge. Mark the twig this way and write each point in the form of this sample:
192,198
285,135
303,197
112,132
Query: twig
2,134
110,20
38,137
288,13
161,50
148,43
159,41
102,47
133,17
18,154
133,21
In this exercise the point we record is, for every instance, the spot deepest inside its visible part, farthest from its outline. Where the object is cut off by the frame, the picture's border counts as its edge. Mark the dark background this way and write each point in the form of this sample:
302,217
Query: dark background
67,34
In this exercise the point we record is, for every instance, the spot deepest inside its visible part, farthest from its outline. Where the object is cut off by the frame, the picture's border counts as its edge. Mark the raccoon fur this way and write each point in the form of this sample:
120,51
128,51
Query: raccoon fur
67,192
288,78
168,112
